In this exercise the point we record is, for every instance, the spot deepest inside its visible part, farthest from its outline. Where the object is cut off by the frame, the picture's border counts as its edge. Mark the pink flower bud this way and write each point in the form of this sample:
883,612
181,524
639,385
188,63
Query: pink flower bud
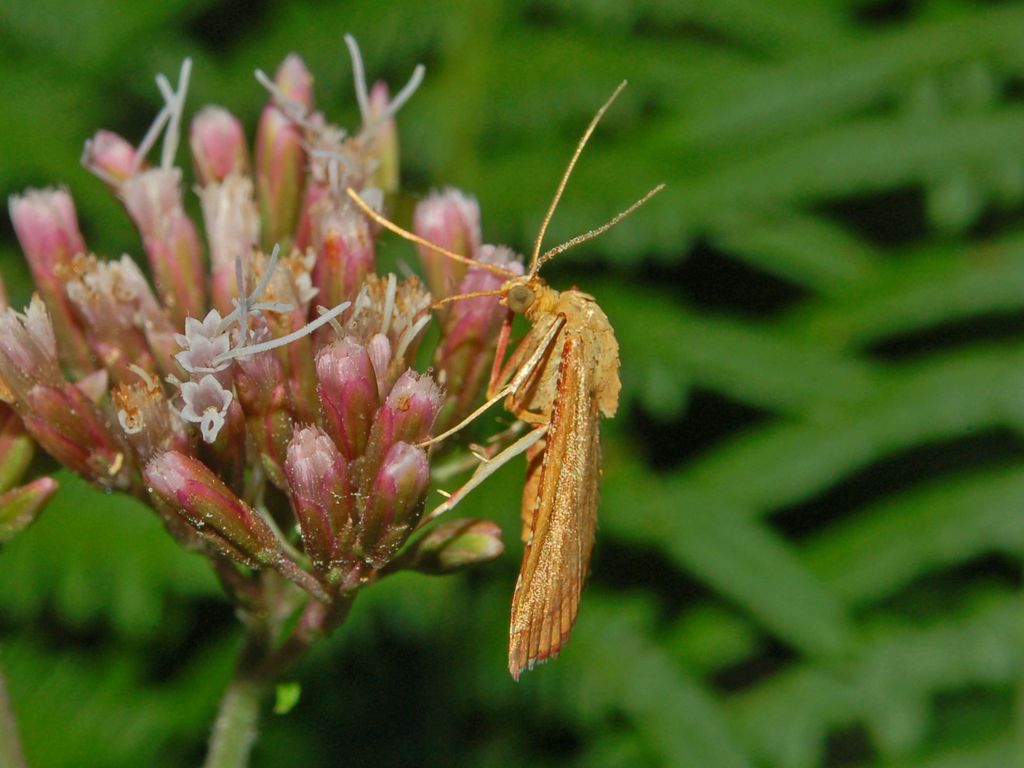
319,484
409,411
456,544
470,334
280,157
450,219
111,158
383,141
189,488
263,394
218,145
347,388
69,426
153,200
295,81
47,228
395,502
20,506
344,249
315,192
407,415
232,230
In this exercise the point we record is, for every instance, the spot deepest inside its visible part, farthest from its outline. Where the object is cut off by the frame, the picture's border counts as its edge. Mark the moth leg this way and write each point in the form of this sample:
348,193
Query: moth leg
485,470
526,358
513,386
500,351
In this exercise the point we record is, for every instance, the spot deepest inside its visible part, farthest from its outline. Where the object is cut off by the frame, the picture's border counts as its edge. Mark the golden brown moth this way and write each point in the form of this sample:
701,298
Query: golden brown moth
558,380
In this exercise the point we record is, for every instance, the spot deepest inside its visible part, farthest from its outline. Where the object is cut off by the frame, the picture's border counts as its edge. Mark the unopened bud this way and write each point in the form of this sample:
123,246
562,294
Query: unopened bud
218,145
232,230
111,158
347,388
19,507
451,220
153,200
47,228
395,502
383,140
456,544
318,479
344,249
263,393
280,157
186,486
409,411
66,423
470,333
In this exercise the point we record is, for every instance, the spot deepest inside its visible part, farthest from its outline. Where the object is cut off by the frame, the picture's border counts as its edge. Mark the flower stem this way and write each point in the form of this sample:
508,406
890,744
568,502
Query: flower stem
235,729
10,745
259,667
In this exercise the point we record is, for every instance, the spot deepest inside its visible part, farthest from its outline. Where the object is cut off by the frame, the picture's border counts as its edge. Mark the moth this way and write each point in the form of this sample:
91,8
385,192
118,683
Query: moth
560,379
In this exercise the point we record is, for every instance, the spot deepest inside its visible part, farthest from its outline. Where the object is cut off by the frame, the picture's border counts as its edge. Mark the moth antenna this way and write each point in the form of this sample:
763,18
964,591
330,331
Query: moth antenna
407,235
460,296
534,260
550,254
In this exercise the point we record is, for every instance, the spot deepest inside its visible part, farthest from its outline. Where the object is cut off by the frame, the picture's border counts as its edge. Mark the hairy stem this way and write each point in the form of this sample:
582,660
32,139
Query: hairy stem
235,729
259,666
10,745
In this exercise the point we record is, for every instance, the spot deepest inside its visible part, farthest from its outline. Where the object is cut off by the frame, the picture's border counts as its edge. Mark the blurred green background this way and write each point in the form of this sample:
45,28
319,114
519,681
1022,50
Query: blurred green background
811,537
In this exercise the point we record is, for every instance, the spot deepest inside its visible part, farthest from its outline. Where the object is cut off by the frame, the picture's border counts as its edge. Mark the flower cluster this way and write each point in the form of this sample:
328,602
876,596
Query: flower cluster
262,394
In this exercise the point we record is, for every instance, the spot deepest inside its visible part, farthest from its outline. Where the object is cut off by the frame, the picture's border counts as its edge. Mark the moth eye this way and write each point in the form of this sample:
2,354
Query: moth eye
519,298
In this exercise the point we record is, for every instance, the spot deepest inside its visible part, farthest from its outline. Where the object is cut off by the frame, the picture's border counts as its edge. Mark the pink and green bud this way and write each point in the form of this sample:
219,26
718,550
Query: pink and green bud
153,200
383,140
263,394
315,192
407,415
451,220
321,495
187,487
217,140
69,426
347,388
395,503
280,157
16,449
470,334
47,228
409,411
111,158
345,251
454,545
19,507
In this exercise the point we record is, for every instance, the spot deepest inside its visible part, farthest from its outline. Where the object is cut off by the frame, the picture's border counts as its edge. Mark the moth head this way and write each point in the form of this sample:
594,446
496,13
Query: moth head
520,295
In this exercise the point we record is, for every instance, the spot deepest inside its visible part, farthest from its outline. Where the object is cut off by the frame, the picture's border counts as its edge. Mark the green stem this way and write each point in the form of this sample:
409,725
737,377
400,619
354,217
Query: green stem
11,755
259,667
235,729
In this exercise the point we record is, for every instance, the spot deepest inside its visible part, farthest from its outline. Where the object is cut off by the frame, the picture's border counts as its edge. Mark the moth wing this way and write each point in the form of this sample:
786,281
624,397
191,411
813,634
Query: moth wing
556,556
